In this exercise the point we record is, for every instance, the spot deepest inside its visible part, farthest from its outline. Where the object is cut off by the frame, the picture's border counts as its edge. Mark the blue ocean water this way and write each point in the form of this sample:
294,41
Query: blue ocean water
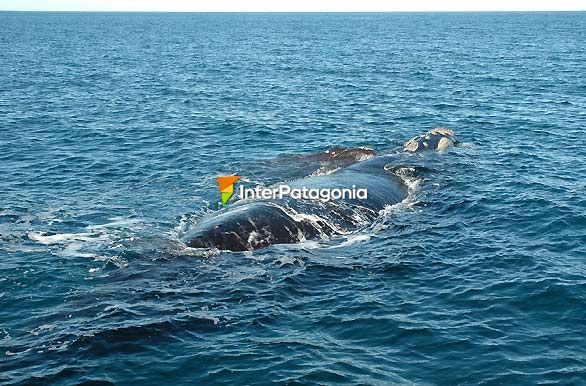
113,128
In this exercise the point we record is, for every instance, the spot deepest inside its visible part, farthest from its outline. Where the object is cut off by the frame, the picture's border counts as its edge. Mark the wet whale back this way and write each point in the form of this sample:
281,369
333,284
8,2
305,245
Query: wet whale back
384,188
248,224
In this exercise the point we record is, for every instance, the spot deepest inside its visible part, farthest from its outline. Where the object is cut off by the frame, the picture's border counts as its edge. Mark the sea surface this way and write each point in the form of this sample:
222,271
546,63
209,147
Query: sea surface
113,128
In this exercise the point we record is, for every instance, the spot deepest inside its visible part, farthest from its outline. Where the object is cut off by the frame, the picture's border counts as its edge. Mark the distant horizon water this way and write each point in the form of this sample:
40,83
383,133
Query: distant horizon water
294,6
301,12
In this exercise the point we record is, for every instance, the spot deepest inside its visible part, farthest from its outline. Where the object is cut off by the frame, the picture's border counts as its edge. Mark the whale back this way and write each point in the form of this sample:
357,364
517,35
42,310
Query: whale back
246,227
253,224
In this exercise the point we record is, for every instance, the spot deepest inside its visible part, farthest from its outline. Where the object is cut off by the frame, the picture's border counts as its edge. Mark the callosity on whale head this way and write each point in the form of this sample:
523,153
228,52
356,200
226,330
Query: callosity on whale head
440,139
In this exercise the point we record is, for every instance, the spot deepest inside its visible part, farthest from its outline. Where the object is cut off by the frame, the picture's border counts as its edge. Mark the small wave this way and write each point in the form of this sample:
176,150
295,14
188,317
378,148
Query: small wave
352,240
195,252
9,353
43,329
117,222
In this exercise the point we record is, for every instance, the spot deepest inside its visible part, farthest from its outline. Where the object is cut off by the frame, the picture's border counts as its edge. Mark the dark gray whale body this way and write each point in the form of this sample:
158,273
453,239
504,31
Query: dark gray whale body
253,224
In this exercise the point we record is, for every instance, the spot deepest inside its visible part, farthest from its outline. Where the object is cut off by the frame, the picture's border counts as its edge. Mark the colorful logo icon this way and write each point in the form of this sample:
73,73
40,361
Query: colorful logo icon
226,184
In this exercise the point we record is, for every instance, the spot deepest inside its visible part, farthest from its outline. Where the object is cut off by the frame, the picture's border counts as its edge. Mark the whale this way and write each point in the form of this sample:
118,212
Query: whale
250,224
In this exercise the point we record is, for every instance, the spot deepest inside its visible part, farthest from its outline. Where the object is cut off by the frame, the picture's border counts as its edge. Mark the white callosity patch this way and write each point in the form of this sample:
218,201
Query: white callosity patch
444,143
438,139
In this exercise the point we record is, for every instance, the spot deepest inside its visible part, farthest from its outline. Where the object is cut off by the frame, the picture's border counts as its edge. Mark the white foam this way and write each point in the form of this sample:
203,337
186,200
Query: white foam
302,245
117,222
352,240
60,238
315,220
74,250
254,238
10,353
196,252
42,329
86,244
324,171
288,260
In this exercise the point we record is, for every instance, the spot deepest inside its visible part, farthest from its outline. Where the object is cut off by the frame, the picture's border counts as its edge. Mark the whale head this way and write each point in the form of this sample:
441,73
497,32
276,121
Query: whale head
438,139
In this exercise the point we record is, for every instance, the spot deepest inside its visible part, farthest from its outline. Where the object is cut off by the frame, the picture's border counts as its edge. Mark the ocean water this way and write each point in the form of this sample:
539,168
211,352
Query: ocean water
113,128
